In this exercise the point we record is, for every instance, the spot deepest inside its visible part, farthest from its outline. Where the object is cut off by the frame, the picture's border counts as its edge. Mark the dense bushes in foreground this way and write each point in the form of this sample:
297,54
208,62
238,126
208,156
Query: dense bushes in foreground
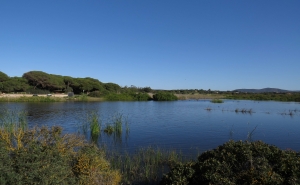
45,156
239,163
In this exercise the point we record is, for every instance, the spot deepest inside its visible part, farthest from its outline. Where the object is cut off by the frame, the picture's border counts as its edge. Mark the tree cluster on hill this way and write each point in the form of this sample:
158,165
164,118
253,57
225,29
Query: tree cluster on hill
38,82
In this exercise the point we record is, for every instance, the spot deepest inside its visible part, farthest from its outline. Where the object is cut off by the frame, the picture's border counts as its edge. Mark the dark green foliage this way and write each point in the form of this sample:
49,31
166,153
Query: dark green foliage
3,77
42,80
181,174
38,164
164,96
240,163
98,94
14,84
127,97
112,87
141,97
87,85
58,83
146,89
118,97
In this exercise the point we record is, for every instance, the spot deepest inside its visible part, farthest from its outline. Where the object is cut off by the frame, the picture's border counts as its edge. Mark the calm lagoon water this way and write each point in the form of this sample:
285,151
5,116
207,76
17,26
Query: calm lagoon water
186,126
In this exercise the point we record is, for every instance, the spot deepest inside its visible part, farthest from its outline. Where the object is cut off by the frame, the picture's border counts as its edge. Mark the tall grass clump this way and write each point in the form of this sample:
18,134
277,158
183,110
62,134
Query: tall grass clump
217,101
115,126
90,126
95,125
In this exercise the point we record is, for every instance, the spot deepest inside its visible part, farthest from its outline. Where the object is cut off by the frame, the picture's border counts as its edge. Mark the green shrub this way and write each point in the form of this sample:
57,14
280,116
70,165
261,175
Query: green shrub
119,97
141,97
180,174
164,96
98,94
240,163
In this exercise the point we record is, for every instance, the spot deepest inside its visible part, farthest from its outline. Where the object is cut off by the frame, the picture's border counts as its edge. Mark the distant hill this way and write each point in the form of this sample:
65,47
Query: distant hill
264,90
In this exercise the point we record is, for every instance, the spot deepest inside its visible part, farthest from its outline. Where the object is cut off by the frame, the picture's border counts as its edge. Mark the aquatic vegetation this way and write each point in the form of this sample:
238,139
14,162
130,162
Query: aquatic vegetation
95,125
116,124
217,101
250,111
208,109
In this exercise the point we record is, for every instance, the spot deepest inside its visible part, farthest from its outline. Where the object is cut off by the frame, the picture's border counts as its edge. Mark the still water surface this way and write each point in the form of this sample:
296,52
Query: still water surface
186,126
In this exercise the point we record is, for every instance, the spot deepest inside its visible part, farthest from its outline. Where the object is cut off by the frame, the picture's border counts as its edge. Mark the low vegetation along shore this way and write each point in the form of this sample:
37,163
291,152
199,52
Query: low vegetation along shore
46,156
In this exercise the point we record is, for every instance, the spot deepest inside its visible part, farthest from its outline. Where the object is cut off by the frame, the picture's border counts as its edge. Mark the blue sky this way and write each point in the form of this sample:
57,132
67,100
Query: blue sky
164,44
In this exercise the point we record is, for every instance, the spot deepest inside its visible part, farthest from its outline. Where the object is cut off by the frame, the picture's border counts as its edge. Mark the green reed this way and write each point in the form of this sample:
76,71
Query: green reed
95,125
10,120
116,124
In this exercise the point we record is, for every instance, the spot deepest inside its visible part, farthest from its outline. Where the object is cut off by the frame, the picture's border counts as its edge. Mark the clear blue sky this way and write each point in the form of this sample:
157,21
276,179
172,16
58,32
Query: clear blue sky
164,44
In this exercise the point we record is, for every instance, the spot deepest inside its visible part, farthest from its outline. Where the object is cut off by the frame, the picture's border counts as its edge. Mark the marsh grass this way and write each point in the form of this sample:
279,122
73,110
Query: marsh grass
217,101
145,166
